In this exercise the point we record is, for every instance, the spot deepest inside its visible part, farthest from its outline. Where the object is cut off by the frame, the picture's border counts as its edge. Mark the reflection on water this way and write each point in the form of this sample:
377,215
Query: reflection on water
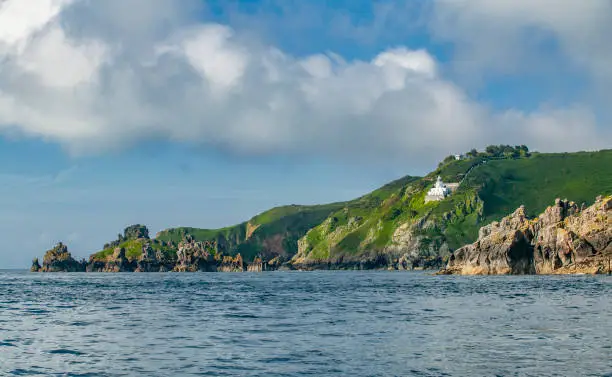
299,323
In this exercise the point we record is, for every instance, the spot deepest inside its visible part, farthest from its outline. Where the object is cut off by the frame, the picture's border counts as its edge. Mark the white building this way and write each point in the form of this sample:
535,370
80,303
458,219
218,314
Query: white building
438,192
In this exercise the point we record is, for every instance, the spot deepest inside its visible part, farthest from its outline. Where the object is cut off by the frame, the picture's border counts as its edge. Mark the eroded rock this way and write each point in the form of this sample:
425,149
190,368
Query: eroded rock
59,259
563,239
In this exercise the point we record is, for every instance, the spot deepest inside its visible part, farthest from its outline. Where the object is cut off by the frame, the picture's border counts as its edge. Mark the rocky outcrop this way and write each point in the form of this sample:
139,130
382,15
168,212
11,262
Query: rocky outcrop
35,265
196,256
229,264
153,261
277,263
366,261
258,265
135,232
117,262
565,238
58,259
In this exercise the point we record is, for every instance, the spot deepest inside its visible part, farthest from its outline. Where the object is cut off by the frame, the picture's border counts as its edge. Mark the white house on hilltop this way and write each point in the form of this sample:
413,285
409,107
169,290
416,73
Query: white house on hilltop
440,190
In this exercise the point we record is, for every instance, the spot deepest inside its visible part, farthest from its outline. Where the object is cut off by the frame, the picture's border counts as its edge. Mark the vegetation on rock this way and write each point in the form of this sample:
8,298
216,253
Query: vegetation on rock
403,226
566,238
391,227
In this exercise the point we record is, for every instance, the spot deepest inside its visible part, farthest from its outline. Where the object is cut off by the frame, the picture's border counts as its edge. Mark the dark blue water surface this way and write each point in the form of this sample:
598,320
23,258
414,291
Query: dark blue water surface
304,323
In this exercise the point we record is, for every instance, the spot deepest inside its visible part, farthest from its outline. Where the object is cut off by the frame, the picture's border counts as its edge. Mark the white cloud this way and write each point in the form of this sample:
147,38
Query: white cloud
21,19
59,63
210,50
207,84
510,35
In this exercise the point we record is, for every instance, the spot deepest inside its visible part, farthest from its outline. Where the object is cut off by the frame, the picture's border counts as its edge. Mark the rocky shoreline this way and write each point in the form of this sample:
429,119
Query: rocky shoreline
565,239
193,259
194,256
191,256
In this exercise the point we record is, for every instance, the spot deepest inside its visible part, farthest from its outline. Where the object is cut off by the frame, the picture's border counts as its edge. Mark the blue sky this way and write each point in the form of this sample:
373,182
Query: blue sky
205,113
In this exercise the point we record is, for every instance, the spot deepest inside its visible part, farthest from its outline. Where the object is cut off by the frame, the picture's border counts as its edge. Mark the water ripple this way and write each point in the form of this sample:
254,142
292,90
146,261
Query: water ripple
358,323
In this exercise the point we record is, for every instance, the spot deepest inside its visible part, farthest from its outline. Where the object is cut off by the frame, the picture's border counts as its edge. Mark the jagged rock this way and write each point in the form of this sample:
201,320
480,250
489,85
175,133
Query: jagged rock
118,262
258,265
152,261
277,263
35,265
404,263
134,232
563,239
230,264
59,259
195,256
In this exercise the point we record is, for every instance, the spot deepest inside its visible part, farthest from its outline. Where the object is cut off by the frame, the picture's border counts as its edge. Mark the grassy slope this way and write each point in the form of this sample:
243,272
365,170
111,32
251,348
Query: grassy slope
370,219
281,225
503,185
133,249
536,181
367,223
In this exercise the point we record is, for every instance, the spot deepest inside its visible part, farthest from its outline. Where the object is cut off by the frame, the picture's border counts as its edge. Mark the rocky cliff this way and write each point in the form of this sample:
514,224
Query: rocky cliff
196,256
395,228
145,255
390,228
566,238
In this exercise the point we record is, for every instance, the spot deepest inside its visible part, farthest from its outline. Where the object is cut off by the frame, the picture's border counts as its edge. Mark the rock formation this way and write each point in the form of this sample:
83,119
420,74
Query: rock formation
258,265
230,264
277,263
153,261
196,256
564,239
117,262
35,265
58,259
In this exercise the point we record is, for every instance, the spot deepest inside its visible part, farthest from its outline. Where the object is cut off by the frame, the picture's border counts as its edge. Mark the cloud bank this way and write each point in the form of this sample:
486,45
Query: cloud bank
95,76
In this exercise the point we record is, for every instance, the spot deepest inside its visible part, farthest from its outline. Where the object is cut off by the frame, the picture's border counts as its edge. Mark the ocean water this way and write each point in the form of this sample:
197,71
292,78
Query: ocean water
366,323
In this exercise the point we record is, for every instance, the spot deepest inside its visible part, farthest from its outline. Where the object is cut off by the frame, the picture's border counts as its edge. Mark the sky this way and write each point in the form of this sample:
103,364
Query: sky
205,113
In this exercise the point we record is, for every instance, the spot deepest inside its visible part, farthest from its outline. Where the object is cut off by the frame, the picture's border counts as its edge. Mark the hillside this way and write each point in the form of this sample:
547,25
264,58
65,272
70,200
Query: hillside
393,226
403,229
270,234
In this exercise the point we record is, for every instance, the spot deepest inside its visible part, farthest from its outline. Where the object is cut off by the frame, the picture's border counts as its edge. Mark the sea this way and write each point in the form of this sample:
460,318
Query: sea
322,323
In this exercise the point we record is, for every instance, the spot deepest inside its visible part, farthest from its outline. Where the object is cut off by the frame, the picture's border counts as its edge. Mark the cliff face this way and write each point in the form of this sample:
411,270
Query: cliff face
392,228
395,228
269,235
563,239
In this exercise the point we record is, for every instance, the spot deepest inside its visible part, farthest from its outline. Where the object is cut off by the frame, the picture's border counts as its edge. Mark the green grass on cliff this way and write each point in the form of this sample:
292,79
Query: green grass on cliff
273,232
536,181
489,191
503,185
133,249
